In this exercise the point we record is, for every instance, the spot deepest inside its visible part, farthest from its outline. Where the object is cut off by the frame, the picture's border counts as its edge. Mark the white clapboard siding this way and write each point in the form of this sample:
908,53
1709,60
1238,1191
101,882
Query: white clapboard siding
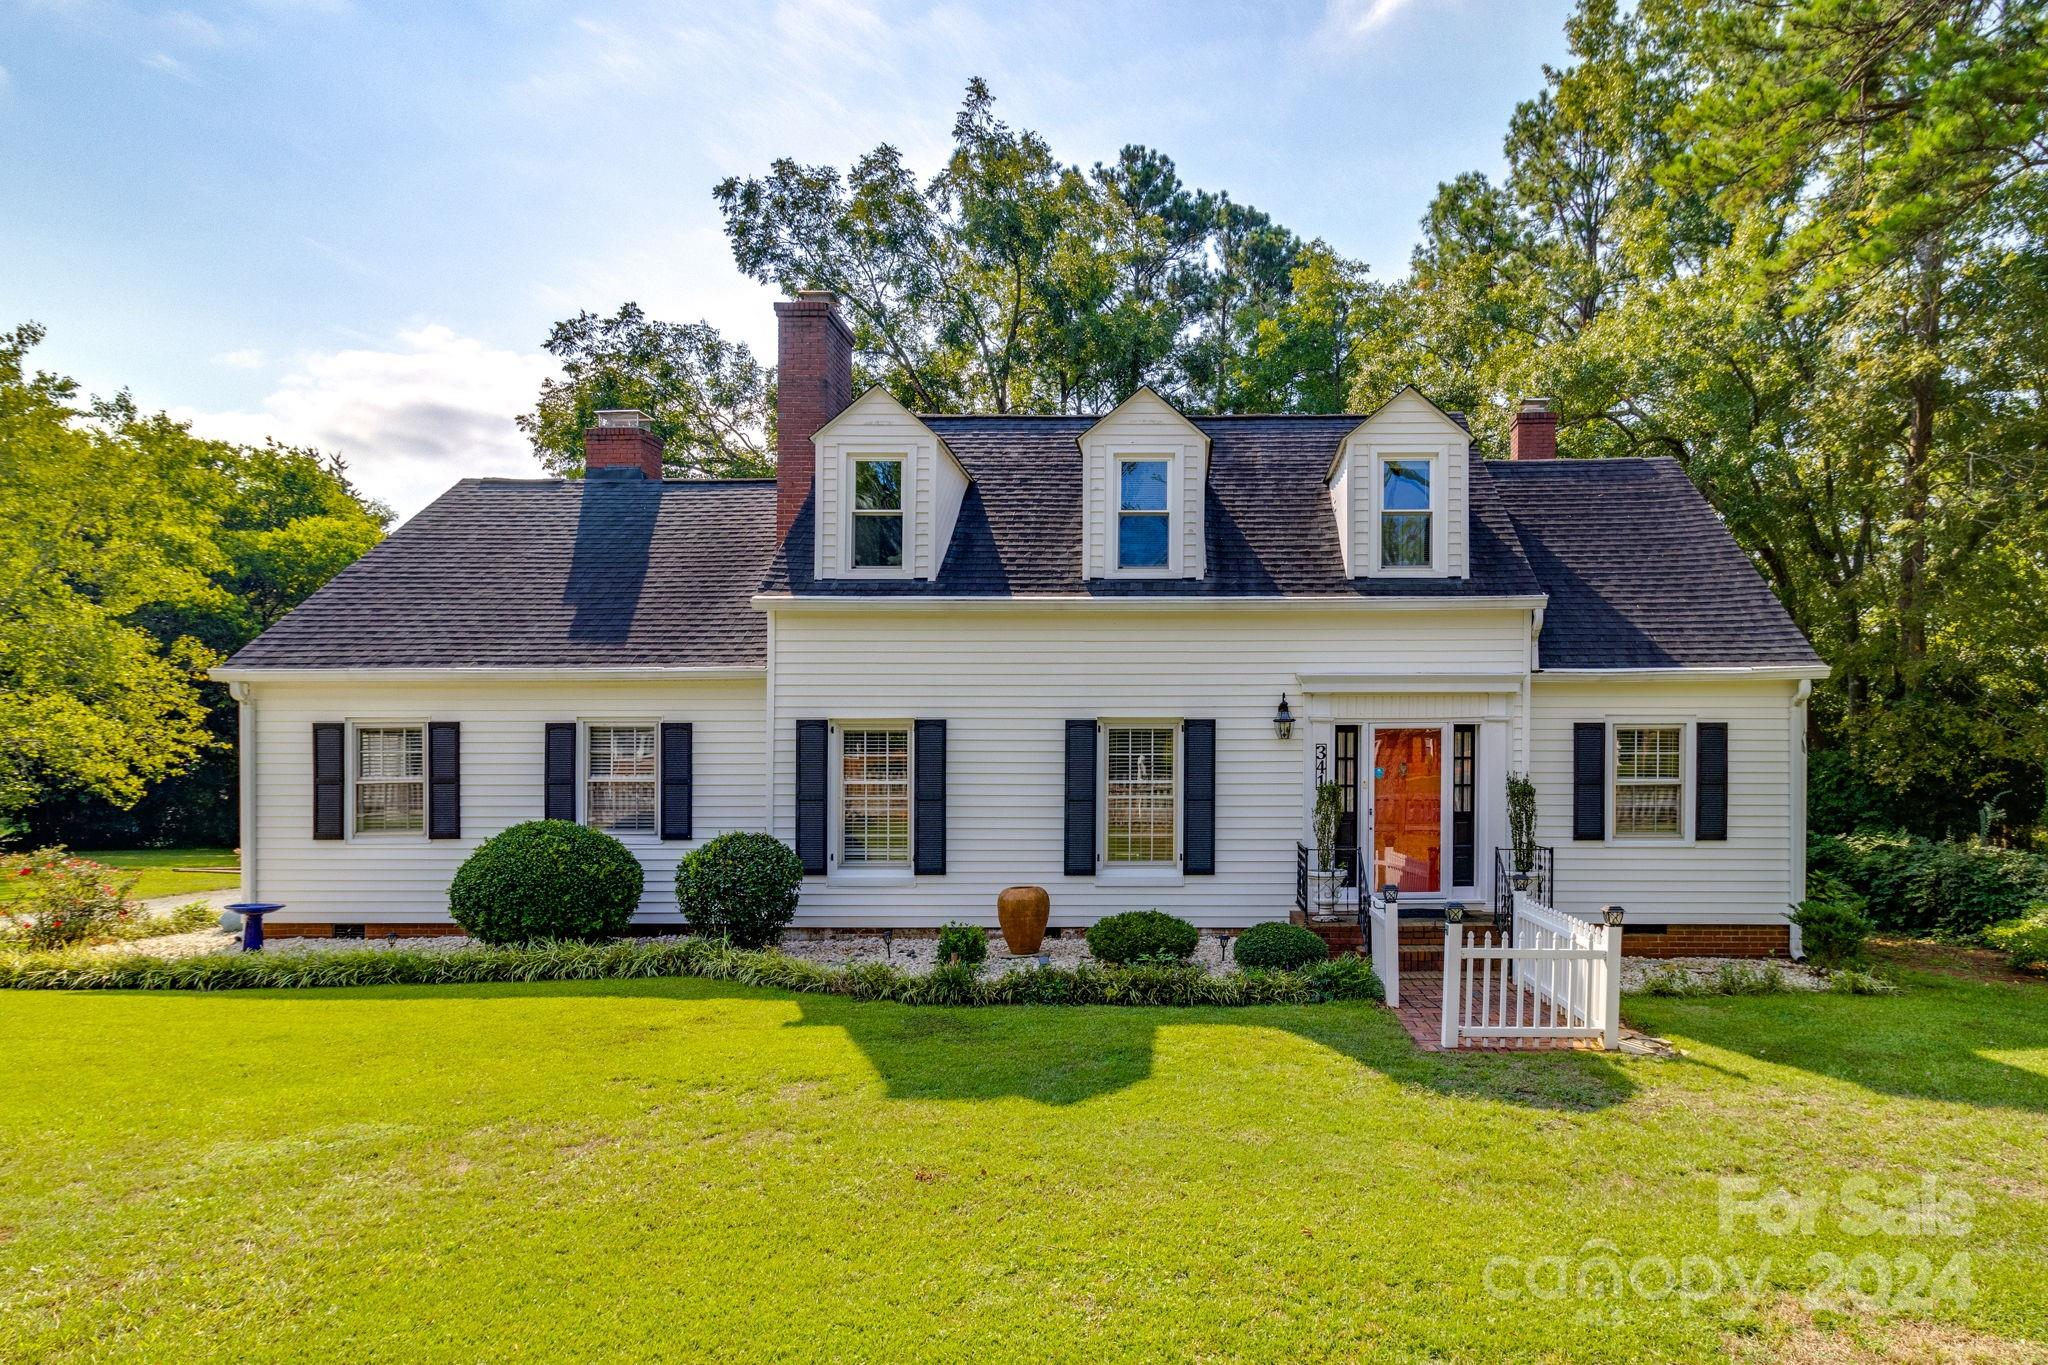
404,877
1006,681
1408,425
1747,879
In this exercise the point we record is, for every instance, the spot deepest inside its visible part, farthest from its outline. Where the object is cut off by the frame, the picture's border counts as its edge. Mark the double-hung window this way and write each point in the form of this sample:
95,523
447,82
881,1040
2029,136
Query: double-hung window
1406,532
619,778
1143,523
874,796
391,779
1139,805
878,512
1649,780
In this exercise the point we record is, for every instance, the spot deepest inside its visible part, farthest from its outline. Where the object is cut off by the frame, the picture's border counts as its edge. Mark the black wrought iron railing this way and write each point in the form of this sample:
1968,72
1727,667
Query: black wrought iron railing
1509,876
1345,862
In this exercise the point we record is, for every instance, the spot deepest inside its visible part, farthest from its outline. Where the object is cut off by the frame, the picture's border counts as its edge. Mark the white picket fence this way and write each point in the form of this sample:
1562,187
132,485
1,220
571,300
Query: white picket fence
1384,943
1560,978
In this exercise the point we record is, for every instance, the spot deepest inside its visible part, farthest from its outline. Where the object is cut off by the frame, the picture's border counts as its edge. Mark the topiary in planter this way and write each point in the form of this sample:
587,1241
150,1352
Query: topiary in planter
546,879
1280,945
742,887
1141,934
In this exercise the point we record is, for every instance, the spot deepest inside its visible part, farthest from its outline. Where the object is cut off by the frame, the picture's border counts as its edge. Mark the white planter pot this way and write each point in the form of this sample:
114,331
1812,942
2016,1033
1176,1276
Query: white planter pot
1323,886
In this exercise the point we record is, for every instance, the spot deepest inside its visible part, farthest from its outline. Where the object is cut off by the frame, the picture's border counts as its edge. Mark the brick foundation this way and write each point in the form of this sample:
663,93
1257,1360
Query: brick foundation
1709,940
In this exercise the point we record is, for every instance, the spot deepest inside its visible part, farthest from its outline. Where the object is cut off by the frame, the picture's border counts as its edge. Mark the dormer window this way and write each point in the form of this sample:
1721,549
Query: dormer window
1143,524
1407,487
878,512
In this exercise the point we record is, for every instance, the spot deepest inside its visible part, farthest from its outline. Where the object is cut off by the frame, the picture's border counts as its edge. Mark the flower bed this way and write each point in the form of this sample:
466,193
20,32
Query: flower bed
1084,984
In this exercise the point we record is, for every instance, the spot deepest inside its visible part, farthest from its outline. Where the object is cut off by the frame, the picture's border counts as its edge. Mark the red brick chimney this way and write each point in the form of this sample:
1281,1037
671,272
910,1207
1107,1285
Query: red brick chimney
813,384
1535,433
621,443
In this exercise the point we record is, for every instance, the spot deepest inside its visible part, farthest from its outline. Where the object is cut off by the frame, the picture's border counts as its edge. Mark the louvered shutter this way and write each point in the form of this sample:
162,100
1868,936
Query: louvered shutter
1198,799
811,749
328,765
1710,812
1080,860
559,800
1589,780
928,753
444,780
678,741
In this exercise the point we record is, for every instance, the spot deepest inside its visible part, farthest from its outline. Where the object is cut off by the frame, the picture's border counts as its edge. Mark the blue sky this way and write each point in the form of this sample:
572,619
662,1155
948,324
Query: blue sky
352,223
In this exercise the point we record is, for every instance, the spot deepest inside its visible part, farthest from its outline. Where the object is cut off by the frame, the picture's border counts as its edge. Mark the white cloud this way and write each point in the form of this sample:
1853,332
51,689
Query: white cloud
247,359
169,65
1348,20
410,420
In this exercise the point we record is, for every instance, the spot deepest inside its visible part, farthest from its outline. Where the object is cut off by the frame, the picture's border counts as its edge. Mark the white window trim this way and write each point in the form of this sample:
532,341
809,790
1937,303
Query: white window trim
1687,742
1113,551
583,726
352,766
1439,464
852,459
1140,874
836,869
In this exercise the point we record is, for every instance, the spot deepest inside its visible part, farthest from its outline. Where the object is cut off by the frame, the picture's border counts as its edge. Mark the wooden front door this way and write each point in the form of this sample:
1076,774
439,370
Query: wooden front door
1406,784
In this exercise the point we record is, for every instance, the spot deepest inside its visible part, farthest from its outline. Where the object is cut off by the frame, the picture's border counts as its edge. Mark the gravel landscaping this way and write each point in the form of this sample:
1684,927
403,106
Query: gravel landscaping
1635,971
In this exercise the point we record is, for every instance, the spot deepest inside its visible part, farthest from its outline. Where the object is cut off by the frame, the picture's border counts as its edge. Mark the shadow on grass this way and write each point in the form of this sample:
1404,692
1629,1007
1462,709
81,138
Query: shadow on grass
1927,1043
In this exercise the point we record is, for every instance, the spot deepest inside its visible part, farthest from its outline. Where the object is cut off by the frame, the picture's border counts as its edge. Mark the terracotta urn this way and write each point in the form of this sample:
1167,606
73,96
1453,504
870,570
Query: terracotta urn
1022,911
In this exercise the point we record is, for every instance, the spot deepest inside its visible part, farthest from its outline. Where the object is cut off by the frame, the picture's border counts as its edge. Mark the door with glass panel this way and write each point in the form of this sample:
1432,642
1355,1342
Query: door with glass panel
1405,788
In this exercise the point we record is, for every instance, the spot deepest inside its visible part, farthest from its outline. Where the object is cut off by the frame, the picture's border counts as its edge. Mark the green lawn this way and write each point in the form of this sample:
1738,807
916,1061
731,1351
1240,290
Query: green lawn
684,1169
158,869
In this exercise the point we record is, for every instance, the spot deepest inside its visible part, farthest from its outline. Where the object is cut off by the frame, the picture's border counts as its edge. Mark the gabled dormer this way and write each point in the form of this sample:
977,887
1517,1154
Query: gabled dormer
1145,472
1398,490
887,490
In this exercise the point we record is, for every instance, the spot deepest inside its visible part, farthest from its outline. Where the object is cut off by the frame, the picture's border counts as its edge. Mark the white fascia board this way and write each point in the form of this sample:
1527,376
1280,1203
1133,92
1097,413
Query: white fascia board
416,675
1409,682
1771,673
772,602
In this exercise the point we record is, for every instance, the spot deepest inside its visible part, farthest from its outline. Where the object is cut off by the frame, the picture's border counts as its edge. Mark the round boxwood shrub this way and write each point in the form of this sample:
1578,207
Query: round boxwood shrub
546,879
1141,934
742,887
1278,944
966,944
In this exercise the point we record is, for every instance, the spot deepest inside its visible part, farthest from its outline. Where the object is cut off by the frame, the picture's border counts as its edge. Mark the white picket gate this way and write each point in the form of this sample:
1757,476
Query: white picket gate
1384,943
1559,978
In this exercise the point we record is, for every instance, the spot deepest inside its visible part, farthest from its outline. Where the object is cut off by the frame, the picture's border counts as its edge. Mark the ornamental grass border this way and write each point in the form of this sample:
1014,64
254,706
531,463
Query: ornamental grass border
1149,984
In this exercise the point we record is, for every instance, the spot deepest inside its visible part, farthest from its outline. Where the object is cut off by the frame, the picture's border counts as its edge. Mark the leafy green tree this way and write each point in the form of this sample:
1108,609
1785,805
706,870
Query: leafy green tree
711,402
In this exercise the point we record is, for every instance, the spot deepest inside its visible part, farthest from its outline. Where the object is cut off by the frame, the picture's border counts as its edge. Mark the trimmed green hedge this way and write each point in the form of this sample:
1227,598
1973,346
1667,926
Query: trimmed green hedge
546,879
1344,978
1135,934
1276,943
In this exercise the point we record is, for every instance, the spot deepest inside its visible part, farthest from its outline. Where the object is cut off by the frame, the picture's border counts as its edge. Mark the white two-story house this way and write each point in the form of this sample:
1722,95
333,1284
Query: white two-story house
1111,656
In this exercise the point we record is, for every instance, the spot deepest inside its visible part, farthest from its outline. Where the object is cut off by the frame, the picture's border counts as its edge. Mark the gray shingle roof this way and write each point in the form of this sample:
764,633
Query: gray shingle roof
598,573
1641,573
1270,528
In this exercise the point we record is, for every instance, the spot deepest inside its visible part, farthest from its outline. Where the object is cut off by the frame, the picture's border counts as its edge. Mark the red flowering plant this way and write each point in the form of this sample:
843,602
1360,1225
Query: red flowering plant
59,900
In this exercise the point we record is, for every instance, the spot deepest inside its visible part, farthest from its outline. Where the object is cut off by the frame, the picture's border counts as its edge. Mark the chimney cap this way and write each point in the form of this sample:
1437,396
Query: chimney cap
1535,405
623,417
818,296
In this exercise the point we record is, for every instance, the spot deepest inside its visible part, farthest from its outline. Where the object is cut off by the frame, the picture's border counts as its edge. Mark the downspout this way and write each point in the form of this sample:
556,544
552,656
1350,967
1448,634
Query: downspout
768,736
244,695
1523,741
1796,725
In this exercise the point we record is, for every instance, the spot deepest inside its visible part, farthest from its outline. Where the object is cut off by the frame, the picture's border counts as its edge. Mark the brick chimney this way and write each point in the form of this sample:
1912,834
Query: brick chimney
813,384
621,446
1535,433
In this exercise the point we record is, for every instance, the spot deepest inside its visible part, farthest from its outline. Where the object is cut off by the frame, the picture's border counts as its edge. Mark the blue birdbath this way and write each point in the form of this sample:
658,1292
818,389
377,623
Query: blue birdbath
252,914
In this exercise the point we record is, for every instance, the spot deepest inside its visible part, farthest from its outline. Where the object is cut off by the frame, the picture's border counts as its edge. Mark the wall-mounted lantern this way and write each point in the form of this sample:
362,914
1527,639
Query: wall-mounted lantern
1283,720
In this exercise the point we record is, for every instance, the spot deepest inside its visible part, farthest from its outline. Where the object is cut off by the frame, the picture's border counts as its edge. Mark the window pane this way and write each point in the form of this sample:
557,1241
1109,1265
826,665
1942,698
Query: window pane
1141,541
386,806
1647,753
1404,540
1144,486
1404,486
878,484
1140,823
875,796
1650,808
877,541
390,752
622,795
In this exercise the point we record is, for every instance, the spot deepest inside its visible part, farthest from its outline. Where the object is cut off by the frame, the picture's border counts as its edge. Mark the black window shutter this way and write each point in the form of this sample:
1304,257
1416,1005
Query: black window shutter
328,739
444,780
1589,780
1198,798
811,748
678,780
929,754
1710,816
1080,798
560,779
